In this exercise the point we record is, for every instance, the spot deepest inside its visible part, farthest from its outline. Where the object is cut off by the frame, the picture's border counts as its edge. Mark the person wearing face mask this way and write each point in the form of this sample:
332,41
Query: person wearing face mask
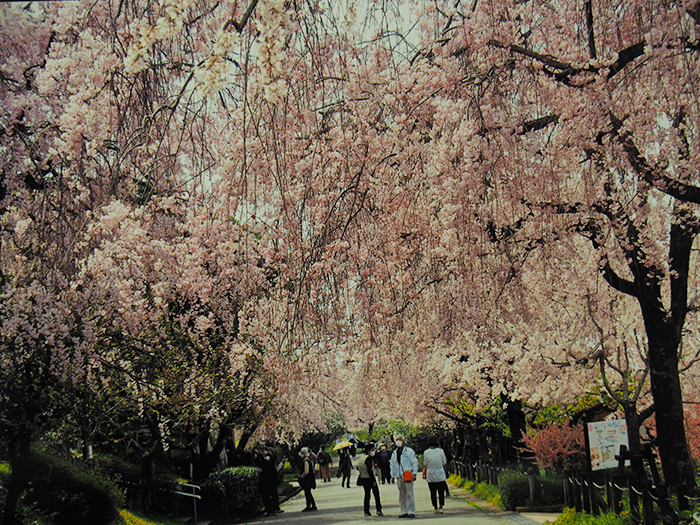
266,460
404,469
368,481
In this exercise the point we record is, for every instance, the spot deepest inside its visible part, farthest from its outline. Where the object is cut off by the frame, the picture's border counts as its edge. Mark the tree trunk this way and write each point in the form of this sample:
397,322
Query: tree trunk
635,447
678,467
20,461
147,481
209,459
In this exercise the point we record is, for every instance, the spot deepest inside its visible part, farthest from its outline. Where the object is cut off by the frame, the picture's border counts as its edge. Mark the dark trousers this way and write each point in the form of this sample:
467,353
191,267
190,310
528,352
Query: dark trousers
310,502
437,490
372,489
386,473
270,499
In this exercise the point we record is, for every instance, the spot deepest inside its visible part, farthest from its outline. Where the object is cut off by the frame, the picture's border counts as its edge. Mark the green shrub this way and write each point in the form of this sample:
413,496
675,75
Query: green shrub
514,488
455,479
127,476
551,491
571,517
4,479
232,490
70,492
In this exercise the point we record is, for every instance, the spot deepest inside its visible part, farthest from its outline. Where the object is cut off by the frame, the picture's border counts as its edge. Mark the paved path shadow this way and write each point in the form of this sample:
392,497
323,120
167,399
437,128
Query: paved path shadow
339,506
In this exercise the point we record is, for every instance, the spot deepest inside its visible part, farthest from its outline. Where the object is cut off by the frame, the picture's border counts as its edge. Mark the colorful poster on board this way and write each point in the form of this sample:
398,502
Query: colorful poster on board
604,441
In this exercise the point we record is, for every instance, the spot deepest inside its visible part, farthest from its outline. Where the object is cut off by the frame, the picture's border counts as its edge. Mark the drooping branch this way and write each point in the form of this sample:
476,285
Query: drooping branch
244,19
564,72
655,176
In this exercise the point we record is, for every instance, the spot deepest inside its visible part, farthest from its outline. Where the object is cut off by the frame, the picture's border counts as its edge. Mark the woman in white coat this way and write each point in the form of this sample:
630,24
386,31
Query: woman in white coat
434,462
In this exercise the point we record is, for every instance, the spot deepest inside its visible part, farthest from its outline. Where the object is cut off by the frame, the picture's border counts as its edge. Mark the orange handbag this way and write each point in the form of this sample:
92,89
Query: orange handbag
407,476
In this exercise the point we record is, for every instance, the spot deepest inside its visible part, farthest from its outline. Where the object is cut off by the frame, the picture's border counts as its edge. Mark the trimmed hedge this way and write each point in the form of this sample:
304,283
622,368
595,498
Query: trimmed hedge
515,490
232,490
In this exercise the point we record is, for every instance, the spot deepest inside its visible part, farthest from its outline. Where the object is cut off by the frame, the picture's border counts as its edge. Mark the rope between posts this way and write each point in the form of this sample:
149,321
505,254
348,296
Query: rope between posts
600,487
618,487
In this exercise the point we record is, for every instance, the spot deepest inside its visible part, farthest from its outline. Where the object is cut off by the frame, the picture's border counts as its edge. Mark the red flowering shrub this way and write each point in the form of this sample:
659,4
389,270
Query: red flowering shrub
692,428
557,447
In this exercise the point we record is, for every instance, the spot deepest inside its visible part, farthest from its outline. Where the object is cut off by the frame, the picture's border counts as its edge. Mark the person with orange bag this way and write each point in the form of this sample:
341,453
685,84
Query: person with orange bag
404,469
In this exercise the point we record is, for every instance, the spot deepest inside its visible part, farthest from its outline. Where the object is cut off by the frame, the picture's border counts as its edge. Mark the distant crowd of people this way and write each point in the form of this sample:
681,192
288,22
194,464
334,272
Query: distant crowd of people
383,462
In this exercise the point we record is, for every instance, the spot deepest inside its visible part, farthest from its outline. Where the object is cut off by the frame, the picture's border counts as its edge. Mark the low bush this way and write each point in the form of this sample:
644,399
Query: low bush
232,490
571,517
127,476
4,479
514,488
485,491
70,492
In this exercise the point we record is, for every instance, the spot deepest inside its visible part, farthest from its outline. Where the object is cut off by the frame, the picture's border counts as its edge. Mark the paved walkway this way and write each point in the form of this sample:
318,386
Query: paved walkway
339,506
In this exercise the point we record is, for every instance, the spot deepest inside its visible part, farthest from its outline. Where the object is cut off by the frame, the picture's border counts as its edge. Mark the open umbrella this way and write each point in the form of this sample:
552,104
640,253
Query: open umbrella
342,444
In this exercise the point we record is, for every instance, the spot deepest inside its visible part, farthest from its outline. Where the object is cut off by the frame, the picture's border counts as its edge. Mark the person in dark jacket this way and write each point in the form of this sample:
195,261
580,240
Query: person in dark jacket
324,463
382,459
307,479
367,480
344,467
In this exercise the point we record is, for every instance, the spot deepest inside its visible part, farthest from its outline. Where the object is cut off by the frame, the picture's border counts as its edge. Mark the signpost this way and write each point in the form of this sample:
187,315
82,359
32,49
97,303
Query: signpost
603,440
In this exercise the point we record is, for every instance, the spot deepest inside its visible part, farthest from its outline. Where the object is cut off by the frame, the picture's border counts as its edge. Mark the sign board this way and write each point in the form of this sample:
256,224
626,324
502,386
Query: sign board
604,439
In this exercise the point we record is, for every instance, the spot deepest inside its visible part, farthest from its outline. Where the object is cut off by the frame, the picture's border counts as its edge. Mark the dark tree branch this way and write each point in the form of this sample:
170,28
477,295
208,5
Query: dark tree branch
694,12
655,176
647,413
539,123
564,72
588,6
618,283
244,19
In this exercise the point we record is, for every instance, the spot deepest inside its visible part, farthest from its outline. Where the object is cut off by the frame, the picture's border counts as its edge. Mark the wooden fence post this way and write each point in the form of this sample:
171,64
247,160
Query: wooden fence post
595,497
634,501
585,491
648,507
567,490
577,495
616,506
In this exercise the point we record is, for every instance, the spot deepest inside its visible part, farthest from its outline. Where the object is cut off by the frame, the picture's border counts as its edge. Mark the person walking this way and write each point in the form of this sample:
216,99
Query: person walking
265,459
383,458
307,479
344,467
367,480
324,462
404,469
434,470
